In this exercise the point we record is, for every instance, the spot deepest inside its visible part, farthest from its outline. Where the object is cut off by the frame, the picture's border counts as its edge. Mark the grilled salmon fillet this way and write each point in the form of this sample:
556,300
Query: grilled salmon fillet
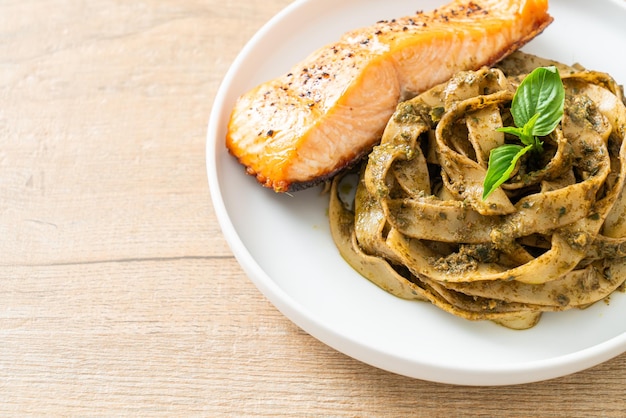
330,109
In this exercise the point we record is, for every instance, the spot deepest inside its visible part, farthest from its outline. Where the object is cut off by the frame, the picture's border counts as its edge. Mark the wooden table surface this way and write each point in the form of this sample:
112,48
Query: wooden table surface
118,293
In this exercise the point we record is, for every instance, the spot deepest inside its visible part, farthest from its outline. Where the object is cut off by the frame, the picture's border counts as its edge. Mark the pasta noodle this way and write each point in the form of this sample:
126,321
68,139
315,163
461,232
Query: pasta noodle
551,238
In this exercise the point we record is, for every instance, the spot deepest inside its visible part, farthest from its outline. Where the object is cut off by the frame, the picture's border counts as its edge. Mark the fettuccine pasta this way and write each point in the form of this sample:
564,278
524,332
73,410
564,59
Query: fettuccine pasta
551,238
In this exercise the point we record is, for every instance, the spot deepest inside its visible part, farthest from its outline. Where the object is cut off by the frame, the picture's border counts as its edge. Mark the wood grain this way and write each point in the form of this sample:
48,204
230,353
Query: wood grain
118,293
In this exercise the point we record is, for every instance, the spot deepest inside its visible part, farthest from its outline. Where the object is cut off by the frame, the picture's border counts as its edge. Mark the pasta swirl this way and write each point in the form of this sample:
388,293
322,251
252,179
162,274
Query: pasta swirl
551,238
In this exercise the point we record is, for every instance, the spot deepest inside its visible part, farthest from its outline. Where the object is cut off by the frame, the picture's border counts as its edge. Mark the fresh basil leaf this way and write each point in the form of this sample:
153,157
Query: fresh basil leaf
502,161
524,133
537,109
542,93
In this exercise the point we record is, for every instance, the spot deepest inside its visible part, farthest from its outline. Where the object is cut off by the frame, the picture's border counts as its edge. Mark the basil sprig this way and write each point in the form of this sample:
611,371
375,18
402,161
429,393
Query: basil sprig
537,109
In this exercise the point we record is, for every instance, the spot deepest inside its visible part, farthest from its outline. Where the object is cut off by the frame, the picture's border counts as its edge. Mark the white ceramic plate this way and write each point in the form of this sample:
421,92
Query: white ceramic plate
284,245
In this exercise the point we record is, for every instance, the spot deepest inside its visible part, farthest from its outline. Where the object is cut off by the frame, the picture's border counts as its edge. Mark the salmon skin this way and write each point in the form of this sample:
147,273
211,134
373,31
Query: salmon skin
330,109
